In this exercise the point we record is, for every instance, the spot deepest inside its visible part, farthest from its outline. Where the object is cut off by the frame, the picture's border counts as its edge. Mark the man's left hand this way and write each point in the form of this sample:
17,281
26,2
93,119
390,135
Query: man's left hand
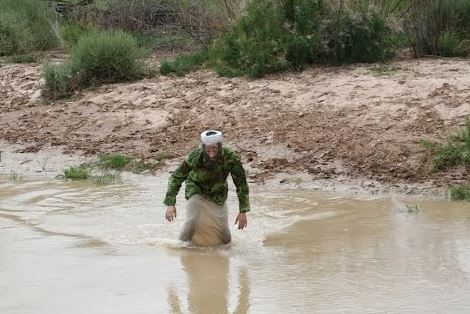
241,220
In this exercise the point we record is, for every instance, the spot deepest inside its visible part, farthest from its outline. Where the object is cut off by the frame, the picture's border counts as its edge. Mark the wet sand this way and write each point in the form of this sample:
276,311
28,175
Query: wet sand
359,121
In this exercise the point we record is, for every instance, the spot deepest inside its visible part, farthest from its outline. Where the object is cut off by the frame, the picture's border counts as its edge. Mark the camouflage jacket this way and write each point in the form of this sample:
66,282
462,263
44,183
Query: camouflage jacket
208,178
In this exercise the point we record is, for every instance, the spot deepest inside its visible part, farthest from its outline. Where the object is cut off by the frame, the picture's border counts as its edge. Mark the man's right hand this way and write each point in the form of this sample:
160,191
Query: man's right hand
170,213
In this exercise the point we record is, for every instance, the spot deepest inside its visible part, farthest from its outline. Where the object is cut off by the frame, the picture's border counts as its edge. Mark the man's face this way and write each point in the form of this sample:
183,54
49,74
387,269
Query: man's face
211,151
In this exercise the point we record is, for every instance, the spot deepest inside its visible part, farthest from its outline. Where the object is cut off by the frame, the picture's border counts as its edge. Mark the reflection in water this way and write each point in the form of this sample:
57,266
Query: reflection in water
208,285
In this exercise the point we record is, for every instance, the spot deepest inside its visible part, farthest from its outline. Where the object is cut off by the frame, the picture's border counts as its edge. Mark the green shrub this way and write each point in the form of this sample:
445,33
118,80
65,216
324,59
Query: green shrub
113,161
103,57
122,162
26,25
81,172
172,40
456,150
139,166
59,81
256,45
439,27
70,33
105,178
413,209
449,44
109,56
278,35
85,172
460,193
27,58
363,38
15,37
16,177
184,63
161,156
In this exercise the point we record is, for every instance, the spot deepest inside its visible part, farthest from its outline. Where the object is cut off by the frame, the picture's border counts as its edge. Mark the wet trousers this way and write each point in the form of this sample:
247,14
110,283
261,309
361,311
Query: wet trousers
206,222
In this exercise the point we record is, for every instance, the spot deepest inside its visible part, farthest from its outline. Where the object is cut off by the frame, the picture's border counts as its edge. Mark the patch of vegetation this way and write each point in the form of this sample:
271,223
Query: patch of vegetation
87,172
81,172
106,178
103,57
106,57
126,163
171,41
70,33
439,27
16,177
113,161
26,58
288,35
449,44
139,166
460,193
455,151
184,63
384,70
26,25
161,156
412,209
59,81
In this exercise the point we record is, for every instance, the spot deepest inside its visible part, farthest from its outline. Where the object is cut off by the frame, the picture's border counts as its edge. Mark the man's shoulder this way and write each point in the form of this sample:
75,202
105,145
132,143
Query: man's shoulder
194,155
230,153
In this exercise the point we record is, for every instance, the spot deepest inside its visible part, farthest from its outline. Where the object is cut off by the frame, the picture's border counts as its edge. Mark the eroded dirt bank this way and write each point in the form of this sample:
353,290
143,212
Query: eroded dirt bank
361,121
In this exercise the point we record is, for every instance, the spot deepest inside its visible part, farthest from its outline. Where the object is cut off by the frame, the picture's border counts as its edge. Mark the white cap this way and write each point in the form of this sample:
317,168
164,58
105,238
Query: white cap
211,137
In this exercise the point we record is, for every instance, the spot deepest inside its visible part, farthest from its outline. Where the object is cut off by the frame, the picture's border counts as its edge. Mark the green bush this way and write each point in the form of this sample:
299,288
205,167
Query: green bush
113,161
15,37
139,166
70,33
77,173
59,81
102,57
278,35
184,63
122,162
257,44
363,38
85,172
439,27
450,44
25,25
109,56
460,193
27,58
105,178
455,151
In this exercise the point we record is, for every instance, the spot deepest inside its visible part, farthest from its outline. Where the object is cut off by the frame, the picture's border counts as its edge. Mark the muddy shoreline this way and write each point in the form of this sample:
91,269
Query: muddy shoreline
50,161
358,124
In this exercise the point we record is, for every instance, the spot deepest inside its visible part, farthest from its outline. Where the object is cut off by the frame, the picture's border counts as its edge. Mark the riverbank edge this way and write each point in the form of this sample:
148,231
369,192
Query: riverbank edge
50,161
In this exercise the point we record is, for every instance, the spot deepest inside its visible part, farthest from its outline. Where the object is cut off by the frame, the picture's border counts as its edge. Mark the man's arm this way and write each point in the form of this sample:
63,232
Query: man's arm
175,182
239,179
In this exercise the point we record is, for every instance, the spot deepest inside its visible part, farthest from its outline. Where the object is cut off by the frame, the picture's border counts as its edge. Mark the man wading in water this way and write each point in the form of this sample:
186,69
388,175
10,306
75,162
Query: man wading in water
205,171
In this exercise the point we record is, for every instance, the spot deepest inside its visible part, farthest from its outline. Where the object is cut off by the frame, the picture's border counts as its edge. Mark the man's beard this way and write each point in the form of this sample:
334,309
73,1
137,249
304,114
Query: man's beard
212,164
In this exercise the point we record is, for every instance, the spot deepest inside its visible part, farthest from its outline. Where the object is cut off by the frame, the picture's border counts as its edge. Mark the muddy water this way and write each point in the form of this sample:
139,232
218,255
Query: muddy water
78,248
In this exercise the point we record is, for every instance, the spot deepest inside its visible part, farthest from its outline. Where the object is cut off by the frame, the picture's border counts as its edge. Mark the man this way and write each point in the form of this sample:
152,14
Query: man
205,171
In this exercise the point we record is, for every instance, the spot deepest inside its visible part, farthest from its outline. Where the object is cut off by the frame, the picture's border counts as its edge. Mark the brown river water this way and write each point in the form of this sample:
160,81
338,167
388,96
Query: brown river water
74,247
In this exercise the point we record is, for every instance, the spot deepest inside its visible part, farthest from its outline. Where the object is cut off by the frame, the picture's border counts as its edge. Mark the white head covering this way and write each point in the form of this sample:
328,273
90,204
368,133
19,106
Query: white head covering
211,137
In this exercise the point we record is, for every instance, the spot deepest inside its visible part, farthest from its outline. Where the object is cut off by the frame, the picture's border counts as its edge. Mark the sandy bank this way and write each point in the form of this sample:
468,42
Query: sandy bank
360,122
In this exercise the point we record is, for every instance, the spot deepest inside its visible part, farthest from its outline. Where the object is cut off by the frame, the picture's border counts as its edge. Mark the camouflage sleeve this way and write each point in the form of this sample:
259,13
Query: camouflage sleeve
174,183
239,179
